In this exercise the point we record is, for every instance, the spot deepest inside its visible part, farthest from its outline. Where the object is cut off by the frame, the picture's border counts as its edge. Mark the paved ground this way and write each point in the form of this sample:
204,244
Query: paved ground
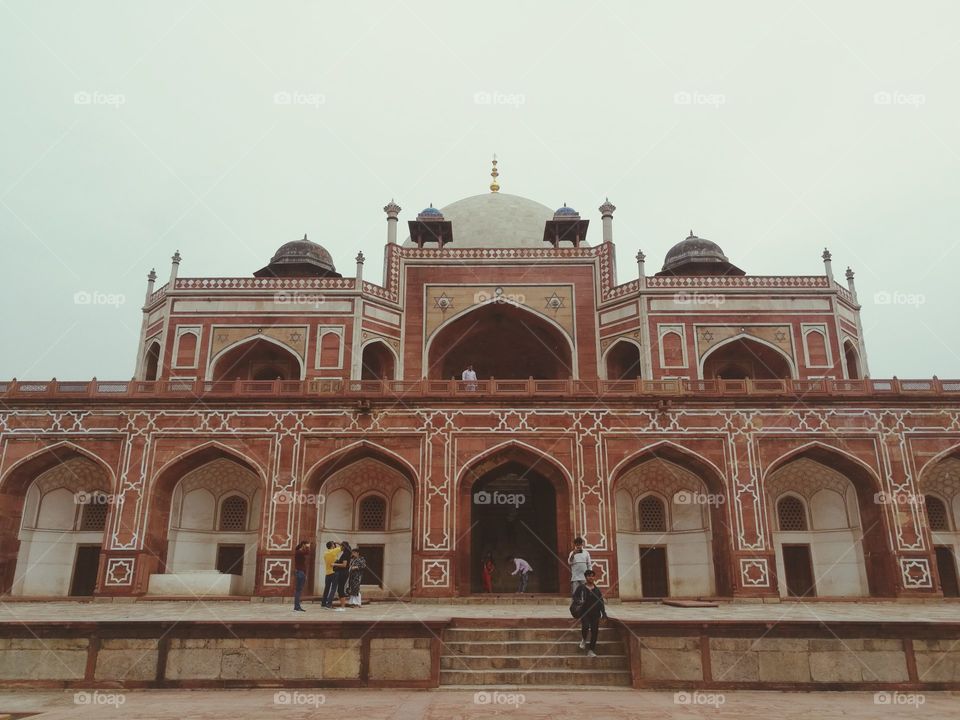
28,612
455,705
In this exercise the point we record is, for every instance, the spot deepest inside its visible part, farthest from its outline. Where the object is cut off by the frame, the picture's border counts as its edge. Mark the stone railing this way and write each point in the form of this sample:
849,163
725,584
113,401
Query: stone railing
158,295
254,283
798,282
457,389
279,284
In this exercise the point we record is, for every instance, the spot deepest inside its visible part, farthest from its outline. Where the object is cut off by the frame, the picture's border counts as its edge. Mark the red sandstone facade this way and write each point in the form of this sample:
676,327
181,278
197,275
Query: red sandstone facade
607,394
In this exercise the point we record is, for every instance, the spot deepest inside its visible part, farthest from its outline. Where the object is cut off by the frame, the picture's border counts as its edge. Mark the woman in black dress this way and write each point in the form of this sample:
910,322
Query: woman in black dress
355,575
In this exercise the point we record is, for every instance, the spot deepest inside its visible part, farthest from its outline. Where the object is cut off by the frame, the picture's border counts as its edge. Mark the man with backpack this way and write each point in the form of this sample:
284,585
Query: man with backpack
588,606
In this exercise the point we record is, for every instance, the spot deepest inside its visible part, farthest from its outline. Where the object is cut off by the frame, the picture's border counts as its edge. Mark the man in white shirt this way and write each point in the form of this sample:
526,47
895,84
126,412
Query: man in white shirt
579,562
470,377
523,567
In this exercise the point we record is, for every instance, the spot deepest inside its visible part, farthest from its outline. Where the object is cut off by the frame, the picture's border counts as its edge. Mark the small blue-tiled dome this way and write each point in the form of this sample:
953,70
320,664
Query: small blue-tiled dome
566,212
430,212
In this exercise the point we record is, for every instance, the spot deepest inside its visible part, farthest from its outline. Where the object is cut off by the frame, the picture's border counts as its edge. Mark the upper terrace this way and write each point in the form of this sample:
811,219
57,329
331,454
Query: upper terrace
870,389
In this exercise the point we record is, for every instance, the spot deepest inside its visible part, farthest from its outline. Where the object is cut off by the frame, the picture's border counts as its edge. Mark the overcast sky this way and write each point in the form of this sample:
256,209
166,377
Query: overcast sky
225,128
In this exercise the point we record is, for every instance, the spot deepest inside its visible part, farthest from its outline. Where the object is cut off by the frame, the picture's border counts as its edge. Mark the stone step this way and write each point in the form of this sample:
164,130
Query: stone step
528,648
544,662
505,599
494,634
487,678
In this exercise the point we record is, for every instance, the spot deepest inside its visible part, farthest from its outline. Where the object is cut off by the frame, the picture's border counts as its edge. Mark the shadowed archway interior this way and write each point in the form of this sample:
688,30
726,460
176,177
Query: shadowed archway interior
513,512
745,358
503,341
257,360
623,361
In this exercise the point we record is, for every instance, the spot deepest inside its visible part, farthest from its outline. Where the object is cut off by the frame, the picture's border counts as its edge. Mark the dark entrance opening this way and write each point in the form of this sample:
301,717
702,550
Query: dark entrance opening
513,511
85,569
654,582
623,361
798,567
230,559
373,574
853,363
947,567
377,361
153,362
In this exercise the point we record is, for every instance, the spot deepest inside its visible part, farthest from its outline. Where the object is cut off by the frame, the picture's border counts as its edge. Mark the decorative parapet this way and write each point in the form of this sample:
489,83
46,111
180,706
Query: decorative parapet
158,295
792,282
518,253
395,254
845,294
266,283
620,290
379,292
587,390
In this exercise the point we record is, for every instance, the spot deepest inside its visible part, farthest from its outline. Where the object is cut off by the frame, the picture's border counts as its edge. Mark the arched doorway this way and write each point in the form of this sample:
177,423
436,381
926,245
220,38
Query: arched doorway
152,365
853,361
828,531
365,498
940,490
378,362
500,340
745,358
623,361
215,521
64,515
55,508
257,359
513,503
673,535
205,512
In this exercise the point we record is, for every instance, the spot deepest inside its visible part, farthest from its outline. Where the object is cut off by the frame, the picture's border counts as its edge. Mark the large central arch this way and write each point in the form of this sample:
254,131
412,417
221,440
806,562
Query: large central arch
536,528
500,340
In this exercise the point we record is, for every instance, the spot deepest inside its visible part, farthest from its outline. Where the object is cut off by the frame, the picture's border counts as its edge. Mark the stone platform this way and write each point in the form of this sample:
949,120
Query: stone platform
521,642
607,704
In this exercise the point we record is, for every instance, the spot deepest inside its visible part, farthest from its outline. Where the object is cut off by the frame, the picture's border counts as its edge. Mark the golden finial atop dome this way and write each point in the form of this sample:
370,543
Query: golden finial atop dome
494,186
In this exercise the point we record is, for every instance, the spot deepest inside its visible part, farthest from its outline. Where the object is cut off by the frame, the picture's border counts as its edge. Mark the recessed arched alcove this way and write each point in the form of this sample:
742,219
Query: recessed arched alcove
257,359
745,358
501,340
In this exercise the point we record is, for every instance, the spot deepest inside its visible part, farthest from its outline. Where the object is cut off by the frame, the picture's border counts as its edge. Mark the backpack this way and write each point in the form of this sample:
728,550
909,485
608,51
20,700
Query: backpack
579,603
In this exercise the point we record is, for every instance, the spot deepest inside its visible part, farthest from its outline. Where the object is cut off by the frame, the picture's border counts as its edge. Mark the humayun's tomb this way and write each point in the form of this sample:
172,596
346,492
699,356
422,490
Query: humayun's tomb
710,433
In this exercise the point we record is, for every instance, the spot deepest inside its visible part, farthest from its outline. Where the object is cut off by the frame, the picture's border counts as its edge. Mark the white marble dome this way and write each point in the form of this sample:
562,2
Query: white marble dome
496,220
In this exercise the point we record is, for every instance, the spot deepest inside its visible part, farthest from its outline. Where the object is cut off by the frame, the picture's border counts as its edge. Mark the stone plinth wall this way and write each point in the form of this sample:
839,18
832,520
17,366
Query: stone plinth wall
680,655
794,655
239,654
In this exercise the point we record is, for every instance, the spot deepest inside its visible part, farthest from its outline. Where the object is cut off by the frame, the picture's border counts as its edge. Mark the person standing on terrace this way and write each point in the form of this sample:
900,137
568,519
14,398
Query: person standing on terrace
470,377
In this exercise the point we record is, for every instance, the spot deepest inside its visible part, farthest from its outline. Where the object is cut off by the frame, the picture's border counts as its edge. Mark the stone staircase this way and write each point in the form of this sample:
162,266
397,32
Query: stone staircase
529,653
